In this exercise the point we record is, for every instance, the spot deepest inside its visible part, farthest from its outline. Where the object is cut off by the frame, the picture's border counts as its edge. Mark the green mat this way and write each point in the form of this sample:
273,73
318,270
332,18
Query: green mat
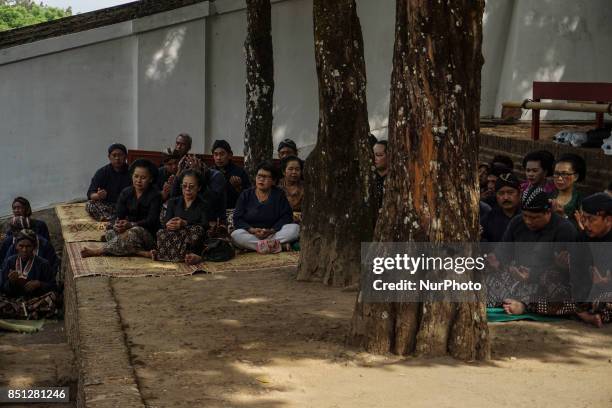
497,315
21,326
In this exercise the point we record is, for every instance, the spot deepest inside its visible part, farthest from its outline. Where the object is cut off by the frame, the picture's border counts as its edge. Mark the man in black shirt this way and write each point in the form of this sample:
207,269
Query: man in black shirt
596,217
236,178
536,265
507,194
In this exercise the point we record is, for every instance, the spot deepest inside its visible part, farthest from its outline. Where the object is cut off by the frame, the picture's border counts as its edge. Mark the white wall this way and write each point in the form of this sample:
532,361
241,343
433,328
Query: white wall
555,40
171,85
55,121
141,82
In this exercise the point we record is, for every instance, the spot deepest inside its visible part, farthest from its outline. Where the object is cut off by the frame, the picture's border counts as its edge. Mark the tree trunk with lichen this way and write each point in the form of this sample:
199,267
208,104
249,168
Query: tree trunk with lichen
433,149
259,85
338,206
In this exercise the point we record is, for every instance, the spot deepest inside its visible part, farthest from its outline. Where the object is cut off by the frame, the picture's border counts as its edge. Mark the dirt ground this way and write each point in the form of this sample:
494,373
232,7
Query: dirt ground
261,339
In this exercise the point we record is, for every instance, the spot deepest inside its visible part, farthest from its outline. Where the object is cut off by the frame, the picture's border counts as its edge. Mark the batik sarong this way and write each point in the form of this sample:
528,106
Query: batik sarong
127,243
174,245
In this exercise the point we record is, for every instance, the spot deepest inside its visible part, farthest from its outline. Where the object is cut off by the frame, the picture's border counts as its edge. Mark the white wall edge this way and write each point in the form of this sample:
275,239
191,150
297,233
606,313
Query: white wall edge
65,42
101,34
230,6
172,17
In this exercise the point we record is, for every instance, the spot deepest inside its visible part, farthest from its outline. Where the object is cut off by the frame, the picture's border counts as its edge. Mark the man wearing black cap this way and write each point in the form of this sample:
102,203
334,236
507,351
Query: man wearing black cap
107,184
530,270
507,194
596,218
495,170
287,148
236,178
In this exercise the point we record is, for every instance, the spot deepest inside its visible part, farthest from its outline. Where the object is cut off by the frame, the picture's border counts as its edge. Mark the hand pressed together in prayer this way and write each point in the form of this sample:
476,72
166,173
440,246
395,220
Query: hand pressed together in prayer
175,224
99,195
236,182
521,272
562,259
598,278
13,276
122,225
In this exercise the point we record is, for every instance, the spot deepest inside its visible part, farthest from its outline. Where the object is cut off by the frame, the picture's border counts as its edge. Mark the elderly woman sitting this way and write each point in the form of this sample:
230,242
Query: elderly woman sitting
21,208
186,221
27,282
108,182
137,220
43,248
263,218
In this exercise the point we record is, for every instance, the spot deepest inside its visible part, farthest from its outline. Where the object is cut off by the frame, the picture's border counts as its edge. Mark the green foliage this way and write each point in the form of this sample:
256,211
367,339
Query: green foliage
20,13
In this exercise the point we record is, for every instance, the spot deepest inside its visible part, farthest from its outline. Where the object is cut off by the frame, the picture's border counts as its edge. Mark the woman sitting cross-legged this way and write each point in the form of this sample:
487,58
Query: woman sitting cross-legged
27,282
185,223
137,219
292,184
263,218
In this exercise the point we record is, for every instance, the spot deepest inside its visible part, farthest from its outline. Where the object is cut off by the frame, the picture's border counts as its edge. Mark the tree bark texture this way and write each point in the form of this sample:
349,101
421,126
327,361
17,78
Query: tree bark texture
338,202
431,189
259,85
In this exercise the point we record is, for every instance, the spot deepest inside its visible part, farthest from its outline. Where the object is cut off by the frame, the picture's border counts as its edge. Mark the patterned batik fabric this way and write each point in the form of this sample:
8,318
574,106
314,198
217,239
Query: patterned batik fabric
503,285
45,306
100,210
128,243
174,245
603,305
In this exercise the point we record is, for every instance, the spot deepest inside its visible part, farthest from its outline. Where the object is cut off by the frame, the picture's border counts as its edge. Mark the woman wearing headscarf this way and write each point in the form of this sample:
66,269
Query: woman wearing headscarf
43,247
108,182
21,208
27,282
185,223
137,219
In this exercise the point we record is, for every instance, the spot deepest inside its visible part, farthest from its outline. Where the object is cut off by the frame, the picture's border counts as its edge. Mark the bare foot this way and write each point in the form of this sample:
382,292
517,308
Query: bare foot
192,259
145,254
86,252
591,318
513,307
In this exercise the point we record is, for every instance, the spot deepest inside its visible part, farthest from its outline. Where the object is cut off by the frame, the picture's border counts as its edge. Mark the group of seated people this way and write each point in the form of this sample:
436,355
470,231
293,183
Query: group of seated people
171,213
547,207
168,213
28,266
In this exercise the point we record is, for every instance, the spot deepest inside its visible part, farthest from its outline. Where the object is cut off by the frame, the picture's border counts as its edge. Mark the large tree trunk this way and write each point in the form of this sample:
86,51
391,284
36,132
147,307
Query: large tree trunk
338,205
431,188
259,85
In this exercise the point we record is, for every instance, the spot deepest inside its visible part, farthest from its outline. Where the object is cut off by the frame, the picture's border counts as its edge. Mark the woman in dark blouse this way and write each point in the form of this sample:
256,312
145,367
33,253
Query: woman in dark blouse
263,217
43,248
108,183
21,208
27,282
185,223
137,219
292,184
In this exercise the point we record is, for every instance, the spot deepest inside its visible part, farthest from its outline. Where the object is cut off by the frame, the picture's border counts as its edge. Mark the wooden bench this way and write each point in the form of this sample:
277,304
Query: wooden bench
599,92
